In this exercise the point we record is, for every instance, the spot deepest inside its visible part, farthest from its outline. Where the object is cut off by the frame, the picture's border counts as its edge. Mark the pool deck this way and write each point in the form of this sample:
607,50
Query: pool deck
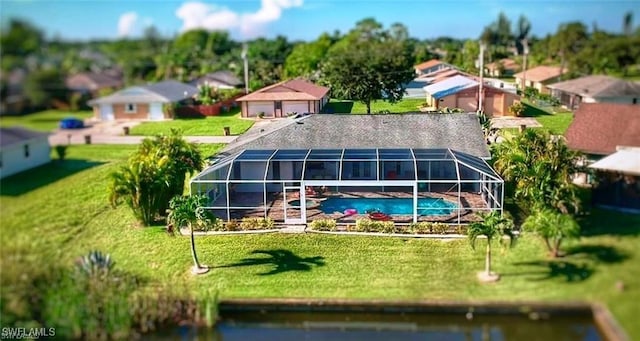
471,202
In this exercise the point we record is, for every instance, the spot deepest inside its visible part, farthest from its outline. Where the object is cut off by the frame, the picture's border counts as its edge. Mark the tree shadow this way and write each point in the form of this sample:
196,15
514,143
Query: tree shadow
609,222
281,260
551,269
338,107
29,180
531,110
597,253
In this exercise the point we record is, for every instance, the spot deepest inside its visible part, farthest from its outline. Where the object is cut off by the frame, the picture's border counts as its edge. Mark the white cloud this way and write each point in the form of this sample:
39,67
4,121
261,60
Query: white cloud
212,17
126,23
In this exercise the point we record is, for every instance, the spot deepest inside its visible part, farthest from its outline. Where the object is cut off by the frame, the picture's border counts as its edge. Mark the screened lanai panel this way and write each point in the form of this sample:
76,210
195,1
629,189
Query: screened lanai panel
360,154
248,170
285,170
400,154
477,163
325,154
397,170
290,154
255,154
321,170
431,154
437,170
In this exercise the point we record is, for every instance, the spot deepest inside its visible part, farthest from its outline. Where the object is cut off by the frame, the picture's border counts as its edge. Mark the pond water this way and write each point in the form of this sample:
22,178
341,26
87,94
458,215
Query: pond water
334,326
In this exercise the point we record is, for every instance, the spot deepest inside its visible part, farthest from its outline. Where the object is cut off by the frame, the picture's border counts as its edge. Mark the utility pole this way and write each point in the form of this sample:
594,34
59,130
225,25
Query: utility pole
525,52
246,68
480,87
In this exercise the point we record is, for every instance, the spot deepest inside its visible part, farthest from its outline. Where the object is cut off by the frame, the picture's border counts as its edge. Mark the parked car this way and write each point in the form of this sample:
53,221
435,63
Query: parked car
71,123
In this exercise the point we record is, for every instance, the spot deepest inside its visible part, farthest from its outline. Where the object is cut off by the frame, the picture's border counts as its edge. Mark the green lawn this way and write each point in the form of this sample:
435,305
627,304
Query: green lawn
345,107
43,120
209,126
51,215
556,123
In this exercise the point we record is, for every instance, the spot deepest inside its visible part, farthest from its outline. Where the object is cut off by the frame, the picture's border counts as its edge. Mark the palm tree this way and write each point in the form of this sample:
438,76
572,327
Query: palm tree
188,211
553,227
493,225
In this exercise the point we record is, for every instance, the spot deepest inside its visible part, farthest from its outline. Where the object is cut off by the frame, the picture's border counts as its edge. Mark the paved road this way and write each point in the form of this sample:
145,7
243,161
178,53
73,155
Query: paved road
64,137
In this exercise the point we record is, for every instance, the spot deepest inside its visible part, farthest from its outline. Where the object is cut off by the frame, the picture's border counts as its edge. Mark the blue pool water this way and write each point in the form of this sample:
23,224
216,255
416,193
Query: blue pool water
404,206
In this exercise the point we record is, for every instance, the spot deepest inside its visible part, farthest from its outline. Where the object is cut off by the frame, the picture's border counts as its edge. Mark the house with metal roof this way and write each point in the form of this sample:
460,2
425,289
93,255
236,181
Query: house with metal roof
462,92
596,89
143,102
22,149
411,167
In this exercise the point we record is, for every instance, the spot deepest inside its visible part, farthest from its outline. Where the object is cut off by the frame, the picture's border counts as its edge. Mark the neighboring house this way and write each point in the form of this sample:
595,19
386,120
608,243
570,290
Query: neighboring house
220,80
596,89
462,92
269,172
431,66
92,83
13,100
22,149
144,102
284,98
502,67
602,131
538,77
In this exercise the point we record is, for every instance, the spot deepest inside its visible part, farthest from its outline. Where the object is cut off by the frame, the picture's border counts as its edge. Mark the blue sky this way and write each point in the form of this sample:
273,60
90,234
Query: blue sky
304,19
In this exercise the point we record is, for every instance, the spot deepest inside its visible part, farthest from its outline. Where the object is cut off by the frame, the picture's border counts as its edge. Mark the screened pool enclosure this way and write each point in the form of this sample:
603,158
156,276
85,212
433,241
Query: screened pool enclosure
296,186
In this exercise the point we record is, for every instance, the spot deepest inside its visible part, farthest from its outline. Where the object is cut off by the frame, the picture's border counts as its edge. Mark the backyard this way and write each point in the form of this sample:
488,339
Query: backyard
211,125
345,107
53,214
47,120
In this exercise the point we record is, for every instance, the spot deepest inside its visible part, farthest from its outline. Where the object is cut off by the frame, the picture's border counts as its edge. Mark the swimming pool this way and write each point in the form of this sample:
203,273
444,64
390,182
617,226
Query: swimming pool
402,206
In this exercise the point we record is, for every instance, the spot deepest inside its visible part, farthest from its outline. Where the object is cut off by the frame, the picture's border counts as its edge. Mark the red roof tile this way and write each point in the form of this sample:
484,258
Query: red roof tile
598,128
541,73
428,64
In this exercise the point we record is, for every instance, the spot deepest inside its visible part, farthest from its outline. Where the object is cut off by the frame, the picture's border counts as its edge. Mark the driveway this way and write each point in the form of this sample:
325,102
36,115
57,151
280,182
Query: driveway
113,133
514,122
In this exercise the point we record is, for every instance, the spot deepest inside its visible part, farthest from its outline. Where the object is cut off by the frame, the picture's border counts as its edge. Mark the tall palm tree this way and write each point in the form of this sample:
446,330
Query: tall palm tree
188,211
493,225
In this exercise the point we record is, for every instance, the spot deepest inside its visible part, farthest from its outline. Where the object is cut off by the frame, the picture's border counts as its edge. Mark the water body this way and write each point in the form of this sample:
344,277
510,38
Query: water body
403,206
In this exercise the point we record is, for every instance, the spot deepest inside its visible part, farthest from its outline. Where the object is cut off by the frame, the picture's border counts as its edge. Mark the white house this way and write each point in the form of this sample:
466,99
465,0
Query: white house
22,149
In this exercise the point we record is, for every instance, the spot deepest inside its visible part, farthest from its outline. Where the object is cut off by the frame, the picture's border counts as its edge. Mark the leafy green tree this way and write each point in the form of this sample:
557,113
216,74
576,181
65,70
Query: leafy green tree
42,87
539,168
493,225
305,57
142,184
568,41
470,54
368,64
553,227
19,40
155,174
188,211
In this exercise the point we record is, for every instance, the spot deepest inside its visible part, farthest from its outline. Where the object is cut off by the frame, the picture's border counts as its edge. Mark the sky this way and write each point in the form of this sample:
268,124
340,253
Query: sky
304,19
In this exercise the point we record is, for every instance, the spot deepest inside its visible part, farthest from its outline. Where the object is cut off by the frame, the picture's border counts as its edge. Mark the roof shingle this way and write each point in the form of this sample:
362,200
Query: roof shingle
291,90
599,86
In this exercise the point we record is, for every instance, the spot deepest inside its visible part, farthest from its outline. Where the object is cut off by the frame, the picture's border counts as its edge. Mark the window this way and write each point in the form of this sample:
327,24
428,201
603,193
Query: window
26,150
278,105
130,108
635,101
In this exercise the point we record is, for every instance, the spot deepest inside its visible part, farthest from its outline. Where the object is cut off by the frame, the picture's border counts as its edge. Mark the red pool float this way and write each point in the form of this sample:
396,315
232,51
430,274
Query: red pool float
379,216
350,211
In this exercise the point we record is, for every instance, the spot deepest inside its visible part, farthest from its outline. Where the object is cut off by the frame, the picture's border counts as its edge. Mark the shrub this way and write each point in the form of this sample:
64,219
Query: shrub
363,225
517,108
530,93
387,226
423,227
255,223
61,150
368,225
95,264
323,225
231,225
440,228
261,114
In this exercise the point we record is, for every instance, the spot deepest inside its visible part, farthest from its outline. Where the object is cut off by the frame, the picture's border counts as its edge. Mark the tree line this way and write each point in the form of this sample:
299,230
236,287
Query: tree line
367,54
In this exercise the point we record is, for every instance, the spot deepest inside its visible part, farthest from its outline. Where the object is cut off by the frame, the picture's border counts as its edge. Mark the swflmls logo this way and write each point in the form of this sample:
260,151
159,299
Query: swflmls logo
9,333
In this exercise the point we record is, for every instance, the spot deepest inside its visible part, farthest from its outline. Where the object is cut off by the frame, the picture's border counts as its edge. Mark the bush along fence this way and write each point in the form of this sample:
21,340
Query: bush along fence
233,225
195,111
368,225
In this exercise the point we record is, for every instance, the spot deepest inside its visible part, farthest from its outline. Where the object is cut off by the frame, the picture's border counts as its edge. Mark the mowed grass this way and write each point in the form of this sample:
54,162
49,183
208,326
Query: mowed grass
209,126
47,120
345,107
556,123
66,216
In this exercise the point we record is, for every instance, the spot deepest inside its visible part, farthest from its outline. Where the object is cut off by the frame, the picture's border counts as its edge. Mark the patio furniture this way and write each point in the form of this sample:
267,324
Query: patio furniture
380,216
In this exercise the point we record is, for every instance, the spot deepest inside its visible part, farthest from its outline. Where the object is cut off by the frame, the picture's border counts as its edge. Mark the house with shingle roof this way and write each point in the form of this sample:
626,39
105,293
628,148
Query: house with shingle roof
502,67
92,82
22,149
296,96
596,89
143,102
220,79
539,77
610,135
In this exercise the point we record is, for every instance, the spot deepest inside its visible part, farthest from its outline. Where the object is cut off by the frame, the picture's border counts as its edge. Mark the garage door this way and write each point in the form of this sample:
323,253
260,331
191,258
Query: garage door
299,107
257,107
106,112
155,111
468,104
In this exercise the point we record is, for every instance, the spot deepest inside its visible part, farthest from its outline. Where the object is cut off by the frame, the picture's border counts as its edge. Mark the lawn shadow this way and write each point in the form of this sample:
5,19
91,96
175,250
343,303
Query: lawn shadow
597,253
551,269
281,260
530,110
29,180
338,107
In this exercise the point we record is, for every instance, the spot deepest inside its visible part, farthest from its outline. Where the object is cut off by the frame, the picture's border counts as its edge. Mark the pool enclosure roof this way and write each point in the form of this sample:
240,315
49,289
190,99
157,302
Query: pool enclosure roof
262,161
